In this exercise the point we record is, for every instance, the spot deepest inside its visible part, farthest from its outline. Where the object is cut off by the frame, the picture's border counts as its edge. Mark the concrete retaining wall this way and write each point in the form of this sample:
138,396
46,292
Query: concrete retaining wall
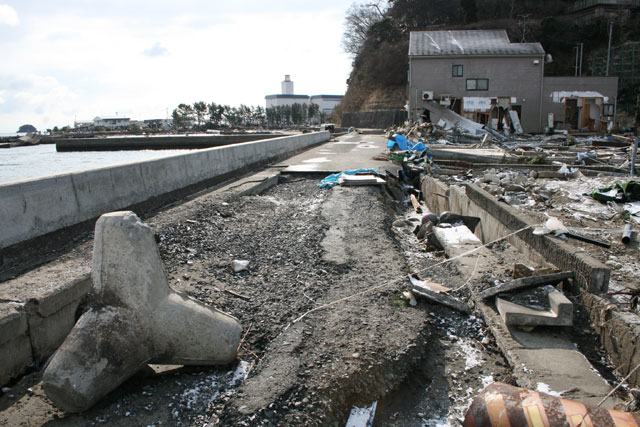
32,208
156,142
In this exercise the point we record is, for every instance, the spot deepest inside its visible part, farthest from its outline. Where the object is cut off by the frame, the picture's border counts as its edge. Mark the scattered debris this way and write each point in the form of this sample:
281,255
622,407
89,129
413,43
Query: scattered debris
362,417
525,283
435,292
353,180
239,265
335,179
557,228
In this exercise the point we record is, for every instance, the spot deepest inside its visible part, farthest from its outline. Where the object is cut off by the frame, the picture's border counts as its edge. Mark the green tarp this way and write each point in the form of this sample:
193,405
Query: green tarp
621,192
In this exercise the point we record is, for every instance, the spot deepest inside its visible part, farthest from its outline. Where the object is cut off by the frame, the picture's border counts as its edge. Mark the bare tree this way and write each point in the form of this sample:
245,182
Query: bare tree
360,17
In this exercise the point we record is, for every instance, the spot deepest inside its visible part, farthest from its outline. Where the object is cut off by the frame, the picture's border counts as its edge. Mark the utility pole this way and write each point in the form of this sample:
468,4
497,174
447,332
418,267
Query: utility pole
609,49
524,26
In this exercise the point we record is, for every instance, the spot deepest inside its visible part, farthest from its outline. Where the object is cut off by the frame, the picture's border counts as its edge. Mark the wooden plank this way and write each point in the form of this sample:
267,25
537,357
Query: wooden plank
416,204
526,282
442,299
435,292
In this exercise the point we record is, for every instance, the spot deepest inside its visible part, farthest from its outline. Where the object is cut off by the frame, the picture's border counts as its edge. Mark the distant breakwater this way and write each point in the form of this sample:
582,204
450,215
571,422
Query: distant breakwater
168,142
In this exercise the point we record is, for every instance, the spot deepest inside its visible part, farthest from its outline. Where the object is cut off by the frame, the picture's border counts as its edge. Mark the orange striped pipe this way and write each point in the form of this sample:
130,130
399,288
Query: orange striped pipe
502,405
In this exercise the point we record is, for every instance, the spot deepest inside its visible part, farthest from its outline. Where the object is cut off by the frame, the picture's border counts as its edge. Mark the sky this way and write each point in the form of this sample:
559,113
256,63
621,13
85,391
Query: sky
68,60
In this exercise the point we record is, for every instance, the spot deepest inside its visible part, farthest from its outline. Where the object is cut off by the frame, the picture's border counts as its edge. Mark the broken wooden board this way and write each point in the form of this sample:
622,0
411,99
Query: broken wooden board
416,204
425,290
526,282
429,284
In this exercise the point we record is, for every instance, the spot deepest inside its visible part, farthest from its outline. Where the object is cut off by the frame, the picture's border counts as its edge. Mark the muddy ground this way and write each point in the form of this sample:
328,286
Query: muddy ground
332,251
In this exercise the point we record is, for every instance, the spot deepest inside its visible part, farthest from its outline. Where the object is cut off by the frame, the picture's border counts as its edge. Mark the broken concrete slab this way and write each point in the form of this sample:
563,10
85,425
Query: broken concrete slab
561,313
455,236
135,319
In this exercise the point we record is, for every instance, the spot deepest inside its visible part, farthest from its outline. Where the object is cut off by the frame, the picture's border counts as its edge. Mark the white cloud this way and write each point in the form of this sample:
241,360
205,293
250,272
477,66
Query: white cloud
37,99
8,15
157,50
99,59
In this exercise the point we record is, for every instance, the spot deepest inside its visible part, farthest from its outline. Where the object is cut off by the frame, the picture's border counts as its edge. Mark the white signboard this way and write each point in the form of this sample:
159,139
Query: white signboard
477,104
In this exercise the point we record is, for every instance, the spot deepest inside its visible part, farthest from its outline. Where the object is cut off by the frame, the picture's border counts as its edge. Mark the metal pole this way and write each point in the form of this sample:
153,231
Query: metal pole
633,159
581,56
615,110
609,49
577,53
626,235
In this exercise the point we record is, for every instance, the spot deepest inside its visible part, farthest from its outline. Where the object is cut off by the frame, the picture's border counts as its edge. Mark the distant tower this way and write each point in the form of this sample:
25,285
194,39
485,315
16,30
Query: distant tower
287,85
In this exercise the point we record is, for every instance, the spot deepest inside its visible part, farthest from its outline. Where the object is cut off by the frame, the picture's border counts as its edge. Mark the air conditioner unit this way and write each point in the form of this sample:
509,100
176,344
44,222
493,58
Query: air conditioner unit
427,95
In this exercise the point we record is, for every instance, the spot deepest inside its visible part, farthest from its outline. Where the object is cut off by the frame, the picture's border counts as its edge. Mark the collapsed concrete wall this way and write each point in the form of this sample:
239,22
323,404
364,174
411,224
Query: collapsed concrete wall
32,208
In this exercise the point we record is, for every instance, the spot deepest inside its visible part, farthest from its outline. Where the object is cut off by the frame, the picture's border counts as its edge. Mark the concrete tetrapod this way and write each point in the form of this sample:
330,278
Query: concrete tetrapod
135,319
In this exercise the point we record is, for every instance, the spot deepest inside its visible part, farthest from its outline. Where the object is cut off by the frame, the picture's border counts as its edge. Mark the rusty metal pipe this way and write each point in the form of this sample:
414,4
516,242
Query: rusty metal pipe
505,405
626,235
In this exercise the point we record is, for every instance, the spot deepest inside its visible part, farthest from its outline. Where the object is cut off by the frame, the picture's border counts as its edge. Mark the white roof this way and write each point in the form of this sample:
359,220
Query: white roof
468,42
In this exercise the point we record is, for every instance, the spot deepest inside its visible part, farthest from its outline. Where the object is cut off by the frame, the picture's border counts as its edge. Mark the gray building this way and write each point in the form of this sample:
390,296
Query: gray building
587,10
482,76
327,103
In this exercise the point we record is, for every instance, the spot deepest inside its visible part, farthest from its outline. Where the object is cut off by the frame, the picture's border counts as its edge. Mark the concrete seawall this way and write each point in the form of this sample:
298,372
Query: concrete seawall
33,208
171,142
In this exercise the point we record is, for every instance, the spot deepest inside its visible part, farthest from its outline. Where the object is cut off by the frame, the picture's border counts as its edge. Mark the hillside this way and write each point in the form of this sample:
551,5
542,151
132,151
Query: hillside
379,75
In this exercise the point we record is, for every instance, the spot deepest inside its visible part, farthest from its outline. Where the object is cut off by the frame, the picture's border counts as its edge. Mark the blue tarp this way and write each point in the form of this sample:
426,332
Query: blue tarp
403,144
332,180
400,141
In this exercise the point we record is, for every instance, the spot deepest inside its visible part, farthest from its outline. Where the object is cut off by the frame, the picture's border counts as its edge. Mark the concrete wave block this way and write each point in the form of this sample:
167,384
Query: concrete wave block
135,319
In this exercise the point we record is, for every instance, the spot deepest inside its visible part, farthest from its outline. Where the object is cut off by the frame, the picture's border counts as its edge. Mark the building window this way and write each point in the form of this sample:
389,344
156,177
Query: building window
477,84
456,71
608,110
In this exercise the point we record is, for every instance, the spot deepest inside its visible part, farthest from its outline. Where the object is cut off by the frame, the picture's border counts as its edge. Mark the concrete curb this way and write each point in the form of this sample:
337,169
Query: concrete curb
36,317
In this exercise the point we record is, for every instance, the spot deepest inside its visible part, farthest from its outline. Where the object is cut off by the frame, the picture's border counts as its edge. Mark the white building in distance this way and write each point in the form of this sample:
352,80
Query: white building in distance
327,103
